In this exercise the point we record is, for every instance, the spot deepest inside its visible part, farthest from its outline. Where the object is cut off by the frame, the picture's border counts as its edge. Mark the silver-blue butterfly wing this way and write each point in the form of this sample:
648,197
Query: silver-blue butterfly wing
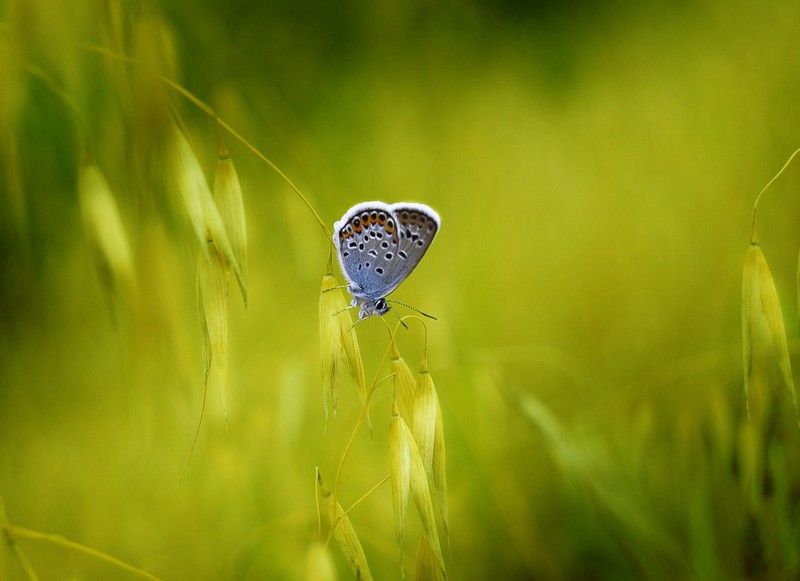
379,245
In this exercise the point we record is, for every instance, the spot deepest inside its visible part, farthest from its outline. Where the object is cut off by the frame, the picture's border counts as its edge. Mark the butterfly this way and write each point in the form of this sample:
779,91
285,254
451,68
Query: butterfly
378,246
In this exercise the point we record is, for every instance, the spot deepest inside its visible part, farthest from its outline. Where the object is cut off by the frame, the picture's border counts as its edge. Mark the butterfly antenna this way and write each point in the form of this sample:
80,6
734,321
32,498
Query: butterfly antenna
343,310
399,318
423,313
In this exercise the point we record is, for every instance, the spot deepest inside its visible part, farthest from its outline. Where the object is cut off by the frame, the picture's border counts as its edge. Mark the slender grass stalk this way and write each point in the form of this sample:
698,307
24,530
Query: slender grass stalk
353,506
15,549
13,533
208,110
360,419
754,235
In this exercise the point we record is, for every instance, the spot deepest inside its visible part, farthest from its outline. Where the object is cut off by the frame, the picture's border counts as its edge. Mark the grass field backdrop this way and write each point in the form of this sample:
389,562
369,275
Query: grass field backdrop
599,307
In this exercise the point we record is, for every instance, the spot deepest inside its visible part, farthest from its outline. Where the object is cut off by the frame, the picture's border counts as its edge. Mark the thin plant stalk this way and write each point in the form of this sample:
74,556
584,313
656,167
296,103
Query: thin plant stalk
14,532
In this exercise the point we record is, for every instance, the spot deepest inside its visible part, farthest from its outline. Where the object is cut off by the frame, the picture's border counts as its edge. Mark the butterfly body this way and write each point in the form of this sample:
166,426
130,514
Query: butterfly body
379,245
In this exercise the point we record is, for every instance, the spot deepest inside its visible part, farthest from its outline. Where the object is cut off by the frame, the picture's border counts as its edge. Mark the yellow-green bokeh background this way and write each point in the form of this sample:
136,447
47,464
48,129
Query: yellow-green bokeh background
594,166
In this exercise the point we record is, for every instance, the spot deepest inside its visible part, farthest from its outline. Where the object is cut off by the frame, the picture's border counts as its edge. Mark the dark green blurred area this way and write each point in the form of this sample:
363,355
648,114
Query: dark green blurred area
594,165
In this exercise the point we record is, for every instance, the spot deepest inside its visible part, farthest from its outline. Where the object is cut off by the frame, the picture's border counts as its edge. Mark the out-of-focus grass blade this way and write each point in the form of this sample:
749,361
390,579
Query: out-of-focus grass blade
319,563
104,226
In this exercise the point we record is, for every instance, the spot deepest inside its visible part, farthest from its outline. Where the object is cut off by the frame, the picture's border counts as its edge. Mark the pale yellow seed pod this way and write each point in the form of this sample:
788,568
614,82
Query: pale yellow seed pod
420,490
319,563
400,455
439,473
346,537
212,302
427,568
404,386
425,413
104,225
200,206
761,305
330,343
228,195
353,354
334,319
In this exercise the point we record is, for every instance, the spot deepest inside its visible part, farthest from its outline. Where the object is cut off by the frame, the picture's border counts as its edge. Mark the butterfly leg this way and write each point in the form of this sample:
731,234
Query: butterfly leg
337,287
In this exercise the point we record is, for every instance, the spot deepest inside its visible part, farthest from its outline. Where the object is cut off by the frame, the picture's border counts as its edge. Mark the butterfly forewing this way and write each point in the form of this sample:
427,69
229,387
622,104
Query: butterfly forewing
379,245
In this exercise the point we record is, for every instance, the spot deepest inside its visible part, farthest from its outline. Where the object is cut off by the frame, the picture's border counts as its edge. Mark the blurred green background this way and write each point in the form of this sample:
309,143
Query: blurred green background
594,165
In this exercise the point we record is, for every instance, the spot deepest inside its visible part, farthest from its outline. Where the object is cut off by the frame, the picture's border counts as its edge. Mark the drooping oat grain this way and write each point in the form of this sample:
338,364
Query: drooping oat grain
228,195
212,302
427,567
330,343
400,455
203,213
761,309
338,344
346,537
420,491
404,386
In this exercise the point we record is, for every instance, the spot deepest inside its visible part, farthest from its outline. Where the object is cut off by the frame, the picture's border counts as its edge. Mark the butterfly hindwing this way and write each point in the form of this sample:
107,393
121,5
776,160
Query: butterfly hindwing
362,237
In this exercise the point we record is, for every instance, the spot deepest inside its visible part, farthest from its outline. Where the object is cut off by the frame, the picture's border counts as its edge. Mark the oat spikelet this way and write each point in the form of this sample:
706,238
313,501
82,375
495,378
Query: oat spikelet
400,455
319,563
427,568
212,294
346,537
404,386
420,491
353,354
426,408
330,342
196,196
439,472
761,305
104,225
338,344
228,195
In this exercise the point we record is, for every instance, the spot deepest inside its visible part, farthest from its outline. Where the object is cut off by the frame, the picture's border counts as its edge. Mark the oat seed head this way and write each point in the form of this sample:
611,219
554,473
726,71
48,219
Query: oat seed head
228,196
400,456
761,310
420,490
330,343
203,213
344,533
212,302
404,386
427,567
